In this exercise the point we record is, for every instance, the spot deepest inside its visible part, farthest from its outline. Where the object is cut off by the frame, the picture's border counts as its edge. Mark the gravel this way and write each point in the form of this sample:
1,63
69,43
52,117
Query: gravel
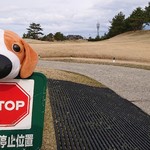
130,83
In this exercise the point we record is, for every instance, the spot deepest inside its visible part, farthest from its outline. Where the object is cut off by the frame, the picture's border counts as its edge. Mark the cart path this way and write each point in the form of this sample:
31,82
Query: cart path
96,118
130,83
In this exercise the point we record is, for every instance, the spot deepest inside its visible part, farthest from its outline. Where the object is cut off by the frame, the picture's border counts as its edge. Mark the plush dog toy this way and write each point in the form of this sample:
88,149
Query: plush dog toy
16,56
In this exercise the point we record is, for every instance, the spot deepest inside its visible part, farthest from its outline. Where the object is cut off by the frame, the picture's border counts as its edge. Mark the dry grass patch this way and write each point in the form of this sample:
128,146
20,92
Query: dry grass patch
69,76
131,46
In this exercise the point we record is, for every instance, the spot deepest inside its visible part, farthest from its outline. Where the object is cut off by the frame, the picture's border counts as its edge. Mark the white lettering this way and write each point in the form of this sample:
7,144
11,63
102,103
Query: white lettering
10,105
12,141
19,104
1,102
3,141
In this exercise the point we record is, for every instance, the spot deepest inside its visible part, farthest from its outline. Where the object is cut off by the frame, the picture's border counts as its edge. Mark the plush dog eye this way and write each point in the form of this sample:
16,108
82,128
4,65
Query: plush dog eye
16,48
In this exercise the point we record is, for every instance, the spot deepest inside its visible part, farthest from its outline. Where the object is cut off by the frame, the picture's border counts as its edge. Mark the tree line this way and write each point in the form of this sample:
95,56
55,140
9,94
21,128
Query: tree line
35,32
137,20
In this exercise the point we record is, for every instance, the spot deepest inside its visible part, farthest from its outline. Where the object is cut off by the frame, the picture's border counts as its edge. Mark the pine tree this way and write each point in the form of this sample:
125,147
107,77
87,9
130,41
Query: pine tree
147,14
34,31
136,19
117,25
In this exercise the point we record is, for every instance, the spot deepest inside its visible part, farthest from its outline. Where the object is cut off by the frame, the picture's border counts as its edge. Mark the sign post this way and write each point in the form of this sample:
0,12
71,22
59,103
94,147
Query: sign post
22,107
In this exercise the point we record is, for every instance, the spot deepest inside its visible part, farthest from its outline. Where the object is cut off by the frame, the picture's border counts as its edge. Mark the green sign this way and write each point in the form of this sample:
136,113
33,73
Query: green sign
22,107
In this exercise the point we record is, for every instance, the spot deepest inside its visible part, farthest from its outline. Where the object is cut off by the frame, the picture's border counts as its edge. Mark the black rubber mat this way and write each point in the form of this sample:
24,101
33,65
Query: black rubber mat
96,119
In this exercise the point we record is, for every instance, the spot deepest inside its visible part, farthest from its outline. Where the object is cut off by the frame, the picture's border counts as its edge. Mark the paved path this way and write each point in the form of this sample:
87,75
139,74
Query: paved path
129,83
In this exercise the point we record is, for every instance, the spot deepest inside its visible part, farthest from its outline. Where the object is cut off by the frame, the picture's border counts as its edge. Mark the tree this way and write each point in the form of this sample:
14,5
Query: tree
34,31
136,19
59,36
147,14
49,37
117,25
24,35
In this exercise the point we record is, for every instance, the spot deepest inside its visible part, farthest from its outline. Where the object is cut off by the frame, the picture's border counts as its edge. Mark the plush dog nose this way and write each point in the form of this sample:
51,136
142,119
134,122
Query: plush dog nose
5,66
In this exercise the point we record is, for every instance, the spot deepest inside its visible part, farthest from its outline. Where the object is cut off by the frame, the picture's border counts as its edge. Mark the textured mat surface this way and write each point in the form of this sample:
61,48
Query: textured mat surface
96,119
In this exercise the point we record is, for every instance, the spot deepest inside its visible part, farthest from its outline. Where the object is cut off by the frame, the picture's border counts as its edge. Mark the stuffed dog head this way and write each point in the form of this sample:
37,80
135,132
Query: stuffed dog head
16,56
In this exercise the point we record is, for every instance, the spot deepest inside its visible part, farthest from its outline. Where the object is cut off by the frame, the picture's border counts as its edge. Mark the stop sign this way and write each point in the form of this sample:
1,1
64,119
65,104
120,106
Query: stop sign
14,104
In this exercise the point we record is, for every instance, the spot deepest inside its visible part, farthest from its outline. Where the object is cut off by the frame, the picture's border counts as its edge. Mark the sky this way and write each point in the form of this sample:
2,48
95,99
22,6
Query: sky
77,17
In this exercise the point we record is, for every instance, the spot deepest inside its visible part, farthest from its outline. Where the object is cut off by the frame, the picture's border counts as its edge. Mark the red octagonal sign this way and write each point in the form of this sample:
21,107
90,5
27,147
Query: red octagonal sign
14,104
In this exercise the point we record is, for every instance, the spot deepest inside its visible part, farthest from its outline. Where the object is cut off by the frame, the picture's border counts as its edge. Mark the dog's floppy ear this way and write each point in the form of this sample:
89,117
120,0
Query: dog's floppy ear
30,60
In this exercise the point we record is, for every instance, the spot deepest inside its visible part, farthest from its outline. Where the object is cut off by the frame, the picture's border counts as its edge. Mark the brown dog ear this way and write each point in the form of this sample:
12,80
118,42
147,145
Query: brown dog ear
30,60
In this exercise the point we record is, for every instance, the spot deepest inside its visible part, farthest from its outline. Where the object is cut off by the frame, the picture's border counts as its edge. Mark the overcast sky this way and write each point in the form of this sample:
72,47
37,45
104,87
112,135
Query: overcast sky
66,16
